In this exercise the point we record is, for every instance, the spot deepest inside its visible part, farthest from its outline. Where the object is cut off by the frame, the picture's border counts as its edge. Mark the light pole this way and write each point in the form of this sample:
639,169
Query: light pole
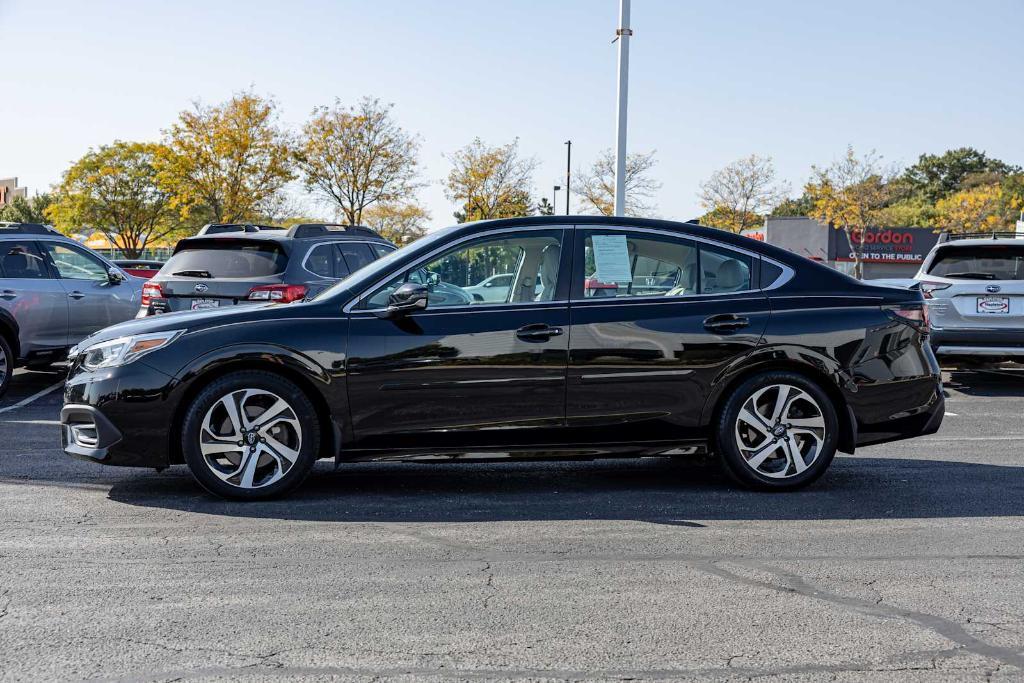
568,173
622,35
554,199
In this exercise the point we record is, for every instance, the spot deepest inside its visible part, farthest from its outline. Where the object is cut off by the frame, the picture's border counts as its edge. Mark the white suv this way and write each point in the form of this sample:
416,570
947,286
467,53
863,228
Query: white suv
974,287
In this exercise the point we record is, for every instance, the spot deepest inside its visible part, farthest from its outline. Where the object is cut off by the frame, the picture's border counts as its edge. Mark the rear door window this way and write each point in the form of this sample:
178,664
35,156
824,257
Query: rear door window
356,254
21,261
996,262
226,258
723,270
381,250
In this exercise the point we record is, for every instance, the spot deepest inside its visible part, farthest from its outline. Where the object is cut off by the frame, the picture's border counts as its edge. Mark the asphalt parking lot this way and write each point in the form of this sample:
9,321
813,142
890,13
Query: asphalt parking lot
906,562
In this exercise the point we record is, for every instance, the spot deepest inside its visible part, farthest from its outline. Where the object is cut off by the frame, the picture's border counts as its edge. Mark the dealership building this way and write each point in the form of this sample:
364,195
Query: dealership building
888,252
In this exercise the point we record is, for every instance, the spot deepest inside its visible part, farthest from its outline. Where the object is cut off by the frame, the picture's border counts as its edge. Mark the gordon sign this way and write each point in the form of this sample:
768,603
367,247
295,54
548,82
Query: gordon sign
884,245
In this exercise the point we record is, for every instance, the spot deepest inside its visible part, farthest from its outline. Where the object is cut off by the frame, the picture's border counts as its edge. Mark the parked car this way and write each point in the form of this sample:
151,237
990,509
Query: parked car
54,292
139,268
259,266
974,287
774,364
218,228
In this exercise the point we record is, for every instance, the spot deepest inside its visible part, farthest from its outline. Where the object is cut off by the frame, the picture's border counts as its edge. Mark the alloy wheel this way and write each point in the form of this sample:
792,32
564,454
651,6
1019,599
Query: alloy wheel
4,365
780,431
250,438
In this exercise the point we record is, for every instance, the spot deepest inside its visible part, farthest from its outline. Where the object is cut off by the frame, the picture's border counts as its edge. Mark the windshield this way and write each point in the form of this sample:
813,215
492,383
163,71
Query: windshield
227,259
369,274
996,262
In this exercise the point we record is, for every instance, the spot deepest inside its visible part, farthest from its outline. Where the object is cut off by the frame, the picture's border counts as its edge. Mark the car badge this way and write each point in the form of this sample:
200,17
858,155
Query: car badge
201,288
992,289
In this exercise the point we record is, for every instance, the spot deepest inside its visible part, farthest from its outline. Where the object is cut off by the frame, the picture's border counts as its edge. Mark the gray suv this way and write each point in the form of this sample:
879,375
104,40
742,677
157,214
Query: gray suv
974,287
256,264
54,292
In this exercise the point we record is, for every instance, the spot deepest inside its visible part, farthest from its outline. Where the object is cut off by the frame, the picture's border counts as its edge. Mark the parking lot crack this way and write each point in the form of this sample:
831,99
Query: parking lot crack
489,584
795,584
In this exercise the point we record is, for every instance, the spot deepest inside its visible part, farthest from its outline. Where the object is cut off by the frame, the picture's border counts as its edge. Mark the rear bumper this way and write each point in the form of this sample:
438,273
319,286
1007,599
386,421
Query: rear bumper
987,342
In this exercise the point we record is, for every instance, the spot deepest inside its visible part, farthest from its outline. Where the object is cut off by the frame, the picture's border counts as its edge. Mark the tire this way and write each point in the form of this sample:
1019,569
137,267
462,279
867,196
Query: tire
789,453
220,452
6,364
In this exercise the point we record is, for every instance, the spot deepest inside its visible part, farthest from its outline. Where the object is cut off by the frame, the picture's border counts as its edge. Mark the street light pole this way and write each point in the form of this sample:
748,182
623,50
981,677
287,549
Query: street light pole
568,173
622,35
554,199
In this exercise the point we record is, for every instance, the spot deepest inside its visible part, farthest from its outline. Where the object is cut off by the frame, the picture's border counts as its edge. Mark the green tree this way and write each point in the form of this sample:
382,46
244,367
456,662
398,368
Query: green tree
938,176
226,163
27,210
114,189
355,157
490,182
794,206
545,208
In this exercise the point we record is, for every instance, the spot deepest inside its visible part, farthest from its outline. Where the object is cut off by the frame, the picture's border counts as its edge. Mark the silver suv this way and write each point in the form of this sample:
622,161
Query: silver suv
54,292
974,287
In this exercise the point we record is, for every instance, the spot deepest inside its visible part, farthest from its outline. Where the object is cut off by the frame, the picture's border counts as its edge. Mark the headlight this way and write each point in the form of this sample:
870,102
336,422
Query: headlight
124,350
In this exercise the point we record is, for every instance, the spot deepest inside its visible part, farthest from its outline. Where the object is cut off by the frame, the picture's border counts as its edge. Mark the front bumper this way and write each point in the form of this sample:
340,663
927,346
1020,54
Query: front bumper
118,416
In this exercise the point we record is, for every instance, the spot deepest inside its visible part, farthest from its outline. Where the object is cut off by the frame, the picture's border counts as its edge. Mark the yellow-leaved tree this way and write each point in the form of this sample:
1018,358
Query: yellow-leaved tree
401,223
114,189
356,157
226,163
849,195
490,182
738,196
977,209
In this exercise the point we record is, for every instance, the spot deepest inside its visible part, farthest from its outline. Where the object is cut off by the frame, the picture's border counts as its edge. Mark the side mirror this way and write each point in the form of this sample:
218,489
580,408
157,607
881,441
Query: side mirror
115,277
410,297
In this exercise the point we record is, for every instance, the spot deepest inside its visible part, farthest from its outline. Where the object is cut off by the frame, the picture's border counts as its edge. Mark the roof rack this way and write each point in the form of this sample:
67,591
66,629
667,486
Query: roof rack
27,229
217,228
1004,234
306,230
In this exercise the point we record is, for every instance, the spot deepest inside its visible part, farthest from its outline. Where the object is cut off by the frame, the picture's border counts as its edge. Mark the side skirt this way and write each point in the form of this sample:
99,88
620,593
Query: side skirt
539,452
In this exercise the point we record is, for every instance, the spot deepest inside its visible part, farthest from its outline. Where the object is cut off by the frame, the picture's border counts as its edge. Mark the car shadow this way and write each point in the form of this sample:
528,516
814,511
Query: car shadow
652,490
995,382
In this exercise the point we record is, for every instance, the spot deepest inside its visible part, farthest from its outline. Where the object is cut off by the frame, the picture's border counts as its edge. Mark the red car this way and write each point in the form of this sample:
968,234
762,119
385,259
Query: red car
145,269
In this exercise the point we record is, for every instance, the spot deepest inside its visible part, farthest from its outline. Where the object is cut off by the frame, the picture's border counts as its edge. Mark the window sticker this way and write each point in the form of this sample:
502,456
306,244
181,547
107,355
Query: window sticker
611,256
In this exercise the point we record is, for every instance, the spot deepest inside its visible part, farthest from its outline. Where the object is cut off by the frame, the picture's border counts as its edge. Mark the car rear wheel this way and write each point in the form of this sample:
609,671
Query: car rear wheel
6,365
778,431
250,435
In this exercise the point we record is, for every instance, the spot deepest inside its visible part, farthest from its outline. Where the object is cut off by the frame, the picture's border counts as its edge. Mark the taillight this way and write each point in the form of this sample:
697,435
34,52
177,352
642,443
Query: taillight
283,294
150,291
916,314
928,287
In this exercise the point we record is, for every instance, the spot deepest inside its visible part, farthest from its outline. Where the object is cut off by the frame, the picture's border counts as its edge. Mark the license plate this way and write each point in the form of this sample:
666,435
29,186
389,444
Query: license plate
994,305
202,304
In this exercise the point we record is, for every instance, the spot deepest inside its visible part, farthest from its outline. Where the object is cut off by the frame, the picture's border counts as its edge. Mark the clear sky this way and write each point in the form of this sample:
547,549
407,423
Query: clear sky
711,81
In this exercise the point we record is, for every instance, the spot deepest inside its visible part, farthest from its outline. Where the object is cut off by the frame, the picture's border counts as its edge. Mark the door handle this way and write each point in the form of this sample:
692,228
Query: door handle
537,333
8,294
76,295
726,322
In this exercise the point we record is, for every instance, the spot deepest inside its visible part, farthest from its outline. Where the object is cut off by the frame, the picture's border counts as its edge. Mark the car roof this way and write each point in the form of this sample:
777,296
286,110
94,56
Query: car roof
981,242
284,238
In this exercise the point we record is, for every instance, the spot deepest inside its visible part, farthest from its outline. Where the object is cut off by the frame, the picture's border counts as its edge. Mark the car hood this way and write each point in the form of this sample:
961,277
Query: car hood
193,320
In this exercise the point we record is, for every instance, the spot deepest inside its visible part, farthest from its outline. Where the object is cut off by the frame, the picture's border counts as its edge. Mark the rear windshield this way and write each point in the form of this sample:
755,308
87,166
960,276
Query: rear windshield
998,262
227,258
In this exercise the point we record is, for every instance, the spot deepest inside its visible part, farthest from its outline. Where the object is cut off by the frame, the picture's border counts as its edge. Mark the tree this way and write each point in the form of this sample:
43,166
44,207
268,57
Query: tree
226,162
490,182
799,206
400,223
114,189
596,186
849,195
27,210
358,156
545,208
977,209
938,176
737,196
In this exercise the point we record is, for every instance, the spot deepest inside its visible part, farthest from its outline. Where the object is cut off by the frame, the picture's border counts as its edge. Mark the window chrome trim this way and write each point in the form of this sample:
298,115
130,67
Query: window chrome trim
347,308
305,261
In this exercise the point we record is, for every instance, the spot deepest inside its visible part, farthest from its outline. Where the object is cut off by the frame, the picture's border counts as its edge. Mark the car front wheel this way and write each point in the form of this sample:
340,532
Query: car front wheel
250,435
778,431
6,365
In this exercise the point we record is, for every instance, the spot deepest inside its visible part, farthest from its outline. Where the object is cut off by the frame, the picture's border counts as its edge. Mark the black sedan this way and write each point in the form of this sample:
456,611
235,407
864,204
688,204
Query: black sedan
695,341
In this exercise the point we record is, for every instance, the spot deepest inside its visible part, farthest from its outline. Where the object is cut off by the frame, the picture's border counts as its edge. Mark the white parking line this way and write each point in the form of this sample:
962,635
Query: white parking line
25,401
